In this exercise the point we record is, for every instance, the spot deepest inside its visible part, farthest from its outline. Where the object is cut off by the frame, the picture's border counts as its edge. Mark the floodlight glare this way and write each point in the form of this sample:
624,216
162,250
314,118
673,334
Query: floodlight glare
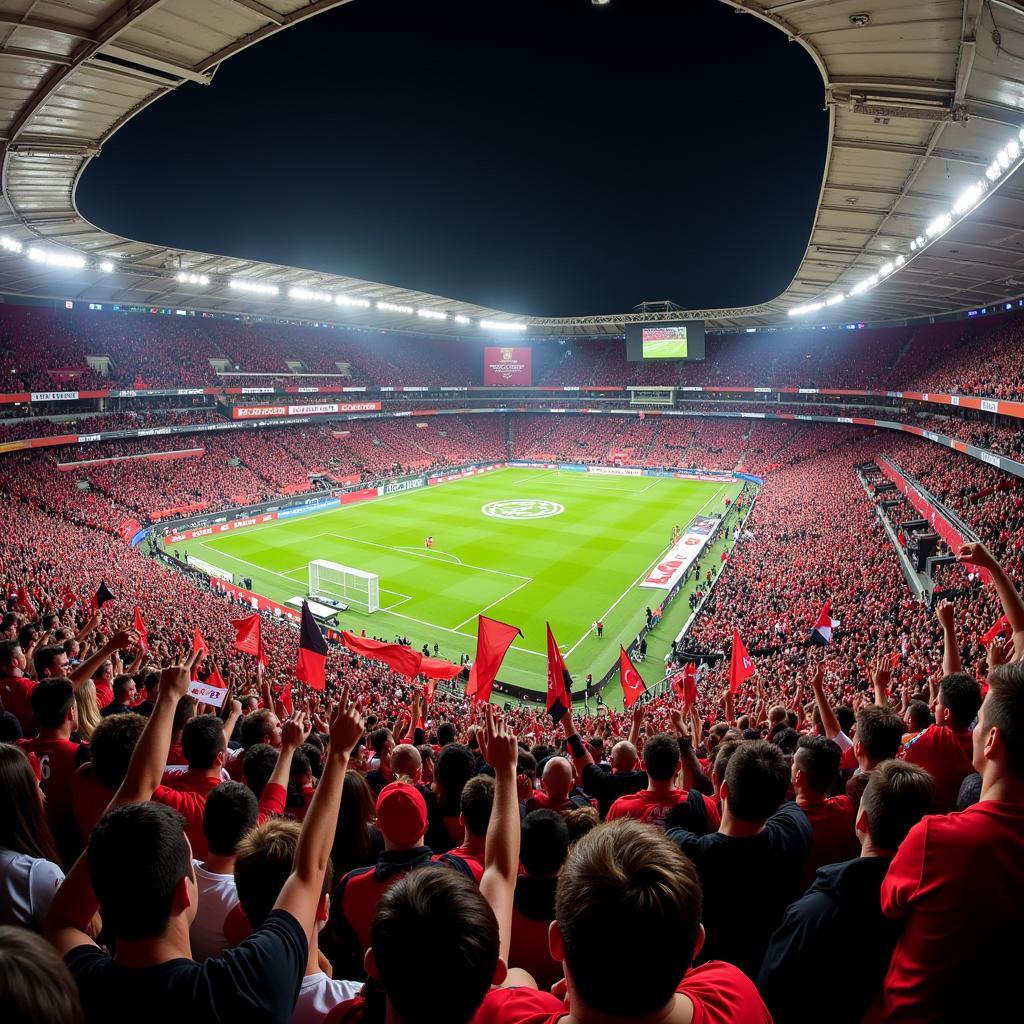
70,261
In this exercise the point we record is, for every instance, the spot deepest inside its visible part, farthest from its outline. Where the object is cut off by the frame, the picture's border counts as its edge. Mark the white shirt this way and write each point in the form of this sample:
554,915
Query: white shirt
319,995
27,888
217,898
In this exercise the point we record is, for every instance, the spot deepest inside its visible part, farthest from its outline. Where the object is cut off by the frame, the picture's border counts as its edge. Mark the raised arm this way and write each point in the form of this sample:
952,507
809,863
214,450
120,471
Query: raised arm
75,904
693,774
501,847
1013,604
950,648
301,893
121,639
829,722
638,720
879,673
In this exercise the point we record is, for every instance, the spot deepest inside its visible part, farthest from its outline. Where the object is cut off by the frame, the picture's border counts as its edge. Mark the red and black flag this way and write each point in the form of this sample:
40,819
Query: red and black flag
493,640
312,652
633,686
559,682
101,597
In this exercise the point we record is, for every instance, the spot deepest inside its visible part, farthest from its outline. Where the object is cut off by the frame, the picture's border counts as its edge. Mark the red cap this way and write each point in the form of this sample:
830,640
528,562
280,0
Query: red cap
402,814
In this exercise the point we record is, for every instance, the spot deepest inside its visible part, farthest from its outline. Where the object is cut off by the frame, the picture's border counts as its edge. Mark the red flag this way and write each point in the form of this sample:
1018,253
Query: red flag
198,644
559,681
686,683
249,637
24,601
284,698
68,598
216,679
894,660
741,668
436,668
312,652
429,688
402,659
140,628
633,686
1002,625
493,640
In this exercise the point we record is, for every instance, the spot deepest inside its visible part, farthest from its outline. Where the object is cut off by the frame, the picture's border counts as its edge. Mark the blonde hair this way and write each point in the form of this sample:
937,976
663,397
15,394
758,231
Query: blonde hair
88,708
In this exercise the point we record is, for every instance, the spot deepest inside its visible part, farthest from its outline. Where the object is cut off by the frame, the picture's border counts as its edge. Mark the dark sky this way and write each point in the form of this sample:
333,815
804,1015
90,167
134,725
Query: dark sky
545,157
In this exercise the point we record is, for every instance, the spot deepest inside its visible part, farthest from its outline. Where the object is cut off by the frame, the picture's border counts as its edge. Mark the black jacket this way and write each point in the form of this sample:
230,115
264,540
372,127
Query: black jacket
828,958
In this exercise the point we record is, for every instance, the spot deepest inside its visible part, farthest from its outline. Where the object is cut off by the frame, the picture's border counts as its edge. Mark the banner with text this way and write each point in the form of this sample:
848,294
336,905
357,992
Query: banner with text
671,569
249,412
507,366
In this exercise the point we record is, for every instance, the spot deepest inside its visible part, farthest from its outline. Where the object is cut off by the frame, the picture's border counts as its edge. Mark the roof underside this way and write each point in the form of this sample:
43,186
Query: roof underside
921,98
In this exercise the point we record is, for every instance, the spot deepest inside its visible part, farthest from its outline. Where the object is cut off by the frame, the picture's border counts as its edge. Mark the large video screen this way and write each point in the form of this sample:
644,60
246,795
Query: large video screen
683,339
507,366
664,342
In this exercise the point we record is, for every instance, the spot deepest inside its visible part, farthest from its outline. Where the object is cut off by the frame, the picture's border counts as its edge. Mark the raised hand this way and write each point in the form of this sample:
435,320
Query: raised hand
294,731
174,682
498,743
998,652
346,726
977,554
946,614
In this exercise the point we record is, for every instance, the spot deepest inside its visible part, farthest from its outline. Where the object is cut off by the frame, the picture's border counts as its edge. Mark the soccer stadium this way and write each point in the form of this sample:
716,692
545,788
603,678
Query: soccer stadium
385,642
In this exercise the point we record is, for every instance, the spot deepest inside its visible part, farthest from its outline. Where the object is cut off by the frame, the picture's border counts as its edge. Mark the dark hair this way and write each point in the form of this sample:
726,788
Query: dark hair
379,740
35,985
476,803
463,946
962,695
45,657
544,843
918,716
122,684
786,739
818,759
150,681
23,824
625,871
7,649
151,838
757,779
879,731
452,770
256,727
111,746
297,770
580,821
231,811
258,765
1004,710
265,859
355,837
526,764
661,757
51,700
202,740
723,752
446,733
314,757
184,712
898,795
10,728
846,717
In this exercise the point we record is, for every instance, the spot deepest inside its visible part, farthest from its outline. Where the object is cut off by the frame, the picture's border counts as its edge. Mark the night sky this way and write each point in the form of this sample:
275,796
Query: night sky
545,157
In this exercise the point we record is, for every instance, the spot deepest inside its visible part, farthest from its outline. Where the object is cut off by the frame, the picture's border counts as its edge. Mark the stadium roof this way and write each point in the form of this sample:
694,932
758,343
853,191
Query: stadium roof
922,95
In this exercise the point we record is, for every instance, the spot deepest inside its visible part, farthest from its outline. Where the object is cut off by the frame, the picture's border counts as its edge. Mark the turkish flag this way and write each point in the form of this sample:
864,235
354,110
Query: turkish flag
633,686
493,640
686,683
402,659
140,628
741,667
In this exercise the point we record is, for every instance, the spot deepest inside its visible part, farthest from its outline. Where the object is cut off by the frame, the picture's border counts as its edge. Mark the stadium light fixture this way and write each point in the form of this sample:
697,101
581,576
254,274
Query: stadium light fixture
300,294
11,244
501,325
67,260
391,307
106,266
351,300
241,284
431,314
460,319
185,278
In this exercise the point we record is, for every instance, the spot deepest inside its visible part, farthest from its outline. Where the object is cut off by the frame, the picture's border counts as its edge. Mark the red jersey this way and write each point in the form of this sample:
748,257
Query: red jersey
650,808
472,859
187,796
720,993
957,882
57,763
16,697
540,801
89,799
104,694
832,822
947,757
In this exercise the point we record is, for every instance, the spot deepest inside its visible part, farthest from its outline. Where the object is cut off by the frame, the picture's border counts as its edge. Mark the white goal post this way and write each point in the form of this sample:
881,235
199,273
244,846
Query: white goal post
343,583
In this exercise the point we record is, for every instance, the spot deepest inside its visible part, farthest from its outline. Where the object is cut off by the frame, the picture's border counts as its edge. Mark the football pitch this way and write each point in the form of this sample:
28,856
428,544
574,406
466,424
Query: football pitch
524,546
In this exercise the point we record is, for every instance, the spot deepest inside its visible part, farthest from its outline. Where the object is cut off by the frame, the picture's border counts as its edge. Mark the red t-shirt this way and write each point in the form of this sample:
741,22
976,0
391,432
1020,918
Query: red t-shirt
957,882
650,808
946,756
104,694
835,840
540,801
57,762
89,799
188,797
16,696
720,993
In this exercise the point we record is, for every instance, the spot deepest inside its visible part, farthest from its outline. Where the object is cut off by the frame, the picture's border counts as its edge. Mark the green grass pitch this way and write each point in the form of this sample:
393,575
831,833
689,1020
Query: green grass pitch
666,348
570,568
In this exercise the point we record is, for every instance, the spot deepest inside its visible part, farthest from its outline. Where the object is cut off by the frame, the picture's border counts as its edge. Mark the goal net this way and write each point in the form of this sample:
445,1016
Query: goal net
334,582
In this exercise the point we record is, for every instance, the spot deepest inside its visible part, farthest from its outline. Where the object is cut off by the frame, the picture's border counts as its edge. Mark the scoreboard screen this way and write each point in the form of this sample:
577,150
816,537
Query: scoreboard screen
682,339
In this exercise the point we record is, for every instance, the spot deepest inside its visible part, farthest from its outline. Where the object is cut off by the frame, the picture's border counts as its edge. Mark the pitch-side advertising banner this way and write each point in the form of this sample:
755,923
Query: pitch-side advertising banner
507,366
251,412
670,570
